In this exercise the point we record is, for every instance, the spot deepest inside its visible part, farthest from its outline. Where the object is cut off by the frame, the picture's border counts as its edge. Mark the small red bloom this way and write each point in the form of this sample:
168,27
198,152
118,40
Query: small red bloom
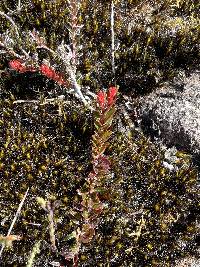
111,95
52,74
17,65
48,71
101,98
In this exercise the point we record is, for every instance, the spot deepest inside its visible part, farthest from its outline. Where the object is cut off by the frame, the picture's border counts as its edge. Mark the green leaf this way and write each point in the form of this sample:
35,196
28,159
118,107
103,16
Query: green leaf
109,114
97,124
102,148
105,136
101,190
71,236
97,114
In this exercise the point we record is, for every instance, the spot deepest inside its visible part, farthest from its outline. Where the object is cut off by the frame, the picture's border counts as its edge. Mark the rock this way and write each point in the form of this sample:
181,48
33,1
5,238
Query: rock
188,262
172,113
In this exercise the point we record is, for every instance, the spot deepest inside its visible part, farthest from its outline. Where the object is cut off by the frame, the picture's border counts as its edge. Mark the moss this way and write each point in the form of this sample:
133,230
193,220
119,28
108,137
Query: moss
40,150
153,40
151,212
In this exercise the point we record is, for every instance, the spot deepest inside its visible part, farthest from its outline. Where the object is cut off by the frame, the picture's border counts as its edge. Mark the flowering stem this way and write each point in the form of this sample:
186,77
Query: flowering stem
91,204
49,72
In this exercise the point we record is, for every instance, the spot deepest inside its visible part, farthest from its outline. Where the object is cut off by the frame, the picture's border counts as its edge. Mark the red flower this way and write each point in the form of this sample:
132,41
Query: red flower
101,98
48,71
17,65
111,95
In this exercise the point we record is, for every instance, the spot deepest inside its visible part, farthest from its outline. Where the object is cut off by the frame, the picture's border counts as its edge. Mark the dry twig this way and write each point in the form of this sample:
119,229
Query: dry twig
14,220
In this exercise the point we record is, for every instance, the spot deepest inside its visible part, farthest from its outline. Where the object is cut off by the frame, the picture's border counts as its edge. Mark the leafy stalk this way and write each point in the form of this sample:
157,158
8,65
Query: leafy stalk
91,204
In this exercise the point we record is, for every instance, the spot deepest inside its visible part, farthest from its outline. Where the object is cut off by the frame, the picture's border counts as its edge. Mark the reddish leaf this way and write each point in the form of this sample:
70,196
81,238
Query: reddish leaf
104,162
108,116
111,95
48,71
17,65
87,233
101,98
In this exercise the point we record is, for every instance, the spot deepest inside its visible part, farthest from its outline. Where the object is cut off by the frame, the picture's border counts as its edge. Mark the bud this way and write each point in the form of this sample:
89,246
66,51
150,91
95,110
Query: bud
17,65
101,98
111,95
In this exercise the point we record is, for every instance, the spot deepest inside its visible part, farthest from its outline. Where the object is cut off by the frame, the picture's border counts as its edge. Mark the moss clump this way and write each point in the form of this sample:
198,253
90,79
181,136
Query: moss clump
166,227
151,213
46,151
152,40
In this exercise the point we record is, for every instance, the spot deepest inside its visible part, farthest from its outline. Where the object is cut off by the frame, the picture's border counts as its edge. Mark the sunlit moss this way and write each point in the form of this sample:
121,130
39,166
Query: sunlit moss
150,214
152,40
149,207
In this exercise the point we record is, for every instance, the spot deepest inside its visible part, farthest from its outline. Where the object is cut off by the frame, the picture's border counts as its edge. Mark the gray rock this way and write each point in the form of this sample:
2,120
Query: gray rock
172,113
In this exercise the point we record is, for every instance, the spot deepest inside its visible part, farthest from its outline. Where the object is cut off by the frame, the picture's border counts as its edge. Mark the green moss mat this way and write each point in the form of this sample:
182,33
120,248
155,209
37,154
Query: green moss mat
153,40
151,212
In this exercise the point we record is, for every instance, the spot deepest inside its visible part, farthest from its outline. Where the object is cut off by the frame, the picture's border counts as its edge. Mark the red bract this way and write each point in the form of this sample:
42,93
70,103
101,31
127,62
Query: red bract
48,71
107,100
111,95
101,98
17,65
